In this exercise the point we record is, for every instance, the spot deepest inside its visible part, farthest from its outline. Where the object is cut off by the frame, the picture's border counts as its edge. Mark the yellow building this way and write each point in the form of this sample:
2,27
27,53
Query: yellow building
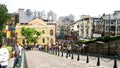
48,31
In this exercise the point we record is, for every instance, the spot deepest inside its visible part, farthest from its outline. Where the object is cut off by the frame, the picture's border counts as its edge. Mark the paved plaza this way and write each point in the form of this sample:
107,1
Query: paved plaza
39,59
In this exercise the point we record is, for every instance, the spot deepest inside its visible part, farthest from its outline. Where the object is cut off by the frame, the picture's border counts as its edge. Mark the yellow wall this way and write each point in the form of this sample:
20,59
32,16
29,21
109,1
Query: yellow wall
38,27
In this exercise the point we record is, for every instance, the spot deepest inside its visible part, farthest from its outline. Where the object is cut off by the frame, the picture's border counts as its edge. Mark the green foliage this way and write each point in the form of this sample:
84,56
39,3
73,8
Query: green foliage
65,45
84,42
107,38
9,48
103,39
4,17
30,34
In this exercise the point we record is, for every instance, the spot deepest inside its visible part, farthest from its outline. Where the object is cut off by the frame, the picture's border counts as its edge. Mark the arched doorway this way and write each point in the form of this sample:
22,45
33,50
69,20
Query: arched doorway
51,41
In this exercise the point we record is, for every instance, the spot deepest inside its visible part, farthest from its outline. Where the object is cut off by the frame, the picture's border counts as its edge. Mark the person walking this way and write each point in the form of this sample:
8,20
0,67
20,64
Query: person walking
69,48
39,47
4,56
17,50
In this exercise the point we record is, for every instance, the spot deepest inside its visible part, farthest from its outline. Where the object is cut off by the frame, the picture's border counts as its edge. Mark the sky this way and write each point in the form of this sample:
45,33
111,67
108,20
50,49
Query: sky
66,7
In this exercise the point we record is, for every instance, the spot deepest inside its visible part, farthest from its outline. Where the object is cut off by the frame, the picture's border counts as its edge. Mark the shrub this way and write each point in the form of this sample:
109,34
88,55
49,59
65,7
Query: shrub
9,48
104,39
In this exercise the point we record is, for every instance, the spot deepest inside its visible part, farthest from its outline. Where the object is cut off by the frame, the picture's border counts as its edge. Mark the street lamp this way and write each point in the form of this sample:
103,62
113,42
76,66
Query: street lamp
109,36
109,28
116,26
93,28
78,31
103,20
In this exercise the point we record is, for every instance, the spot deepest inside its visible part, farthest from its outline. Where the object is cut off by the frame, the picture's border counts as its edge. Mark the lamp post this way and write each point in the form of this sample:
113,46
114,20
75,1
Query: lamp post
116,26
109,36
78,31
103,18
93,28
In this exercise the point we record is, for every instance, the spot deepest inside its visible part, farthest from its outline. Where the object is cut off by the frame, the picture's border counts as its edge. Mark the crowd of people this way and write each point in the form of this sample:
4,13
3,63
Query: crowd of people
60,46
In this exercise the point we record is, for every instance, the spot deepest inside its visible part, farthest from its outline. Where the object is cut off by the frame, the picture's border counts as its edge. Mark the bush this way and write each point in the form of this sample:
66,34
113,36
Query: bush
104,39
65,45
9,48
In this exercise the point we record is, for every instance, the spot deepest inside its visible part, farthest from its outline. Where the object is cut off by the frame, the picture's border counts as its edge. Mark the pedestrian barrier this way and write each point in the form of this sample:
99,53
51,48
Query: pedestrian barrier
62,54
78,58
93,57
87,61
115,62
72,56
67,55
58,53
98,62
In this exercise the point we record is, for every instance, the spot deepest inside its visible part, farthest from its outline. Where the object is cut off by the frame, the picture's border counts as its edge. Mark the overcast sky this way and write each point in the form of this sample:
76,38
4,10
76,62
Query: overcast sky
66,7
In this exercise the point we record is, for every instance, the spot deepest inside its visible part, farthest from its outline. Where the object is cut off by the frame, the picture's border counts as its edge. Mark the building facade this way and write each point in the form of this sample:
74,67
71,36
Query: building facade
97,26
25,16
112,23
85,27
48,31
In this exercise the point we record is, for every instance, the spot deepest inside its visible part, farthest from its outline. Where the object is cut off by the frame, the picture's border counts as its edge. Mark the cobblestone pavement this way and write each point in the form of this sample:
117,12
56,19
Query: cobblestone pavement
104,62
38,59
11,62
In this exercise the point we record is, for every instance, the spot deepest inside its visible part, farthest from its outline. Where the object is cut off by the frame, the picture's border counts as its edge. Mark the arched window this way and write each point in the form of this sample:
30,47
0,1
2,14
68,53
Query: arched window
51,41
51,32
43,31
23,41
43,40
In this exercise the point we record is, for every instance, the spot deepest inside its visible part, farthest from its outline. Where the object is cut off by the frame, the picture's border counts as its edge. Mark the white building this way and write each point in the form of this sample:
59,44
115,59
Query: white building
75,26
52,16
67,19
85,27
25,16
112,23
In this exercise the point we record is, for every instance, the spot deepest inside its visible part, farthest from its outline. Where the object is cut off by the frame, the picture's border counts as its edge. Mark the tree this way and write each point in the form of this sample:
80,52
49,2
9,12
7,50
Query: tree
30,34
4,17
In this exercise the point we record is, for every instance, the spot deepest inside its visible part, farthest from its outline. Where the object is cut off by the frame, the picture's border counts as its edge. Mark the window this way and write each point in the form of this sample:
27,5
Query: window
78,26
51,40
118,22
113,21
118,29
51,32
112,28
43,31
43,40
23,41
